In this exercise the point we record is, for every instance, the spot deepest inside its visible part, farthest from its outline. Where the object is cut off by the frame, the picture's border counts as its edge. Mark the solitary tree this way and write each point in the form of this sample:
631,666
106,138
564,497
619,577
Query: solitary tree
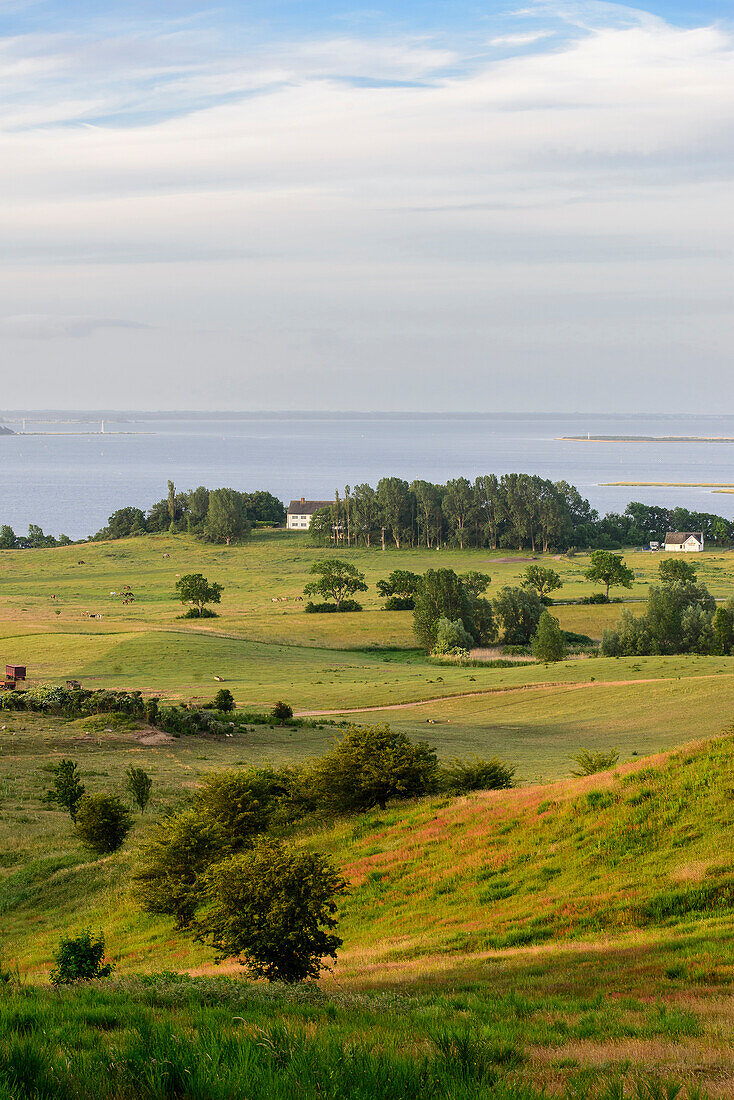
549,642
542,579
139,784
68,789
609,569
224,700
226,519
195,588
274,907
337,580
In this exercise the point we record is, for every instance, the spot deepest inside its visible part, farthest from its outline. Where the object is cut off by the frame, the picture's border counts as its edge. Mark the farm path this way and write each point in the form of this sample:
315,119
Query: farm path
547,686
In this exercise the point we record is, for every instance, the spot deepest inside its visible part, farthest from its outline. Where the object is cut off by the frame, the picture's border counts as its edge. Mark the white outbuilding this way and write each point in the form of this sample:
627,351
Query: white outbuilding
684,541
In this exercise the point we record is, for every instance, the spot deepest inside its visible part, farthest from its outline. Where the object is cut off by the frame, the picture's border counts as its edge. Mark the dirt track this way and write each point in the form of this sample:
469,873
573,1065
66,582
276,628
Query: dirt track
547,686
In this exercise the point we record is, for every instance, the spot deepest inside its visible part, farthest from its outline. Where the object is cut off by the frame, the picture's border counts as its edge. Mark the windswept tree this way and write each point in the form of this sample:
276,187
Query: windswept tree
337,580
610,570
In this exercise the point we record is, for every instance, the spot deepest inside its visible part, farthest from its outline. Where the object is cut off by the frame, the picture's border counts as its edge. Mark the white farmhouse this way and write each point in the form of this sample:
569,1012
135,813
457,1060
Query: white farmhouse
685,541
301,512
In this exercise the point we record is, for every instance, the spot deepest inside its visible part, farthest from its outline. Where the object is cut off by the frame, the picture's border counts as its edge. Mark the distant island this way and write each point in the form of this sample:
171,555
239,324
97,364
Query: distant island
646,439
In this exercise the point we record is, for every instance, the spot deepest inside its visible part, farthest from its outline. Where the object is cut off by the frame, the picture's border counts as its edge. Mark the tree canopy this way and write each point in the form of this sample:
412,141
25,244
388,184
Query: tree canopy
194,588
337,580
610,570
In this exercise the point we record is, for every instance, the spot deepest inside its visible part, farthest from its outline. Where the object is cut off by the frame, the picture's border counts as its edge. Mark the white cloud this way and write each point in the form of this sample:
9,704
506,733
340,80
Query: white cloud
320,207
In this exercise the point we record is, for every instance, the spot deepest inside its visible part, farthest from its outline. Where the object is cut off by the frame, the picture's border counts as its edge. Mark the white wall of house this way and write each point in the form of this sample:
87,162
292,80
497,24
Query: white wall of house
690,546
298,522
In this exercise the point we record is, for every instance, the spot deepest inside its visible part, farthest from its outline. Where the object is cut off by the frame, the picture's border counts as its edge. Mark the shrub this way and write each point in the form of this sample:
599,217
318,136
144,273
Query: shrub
79,959
274,908
224,700
67,790
370,766
102,822
595,597
461,776
451,637
399,603
139,784
205,613
241,801
171,863
282,712
326,608
589,763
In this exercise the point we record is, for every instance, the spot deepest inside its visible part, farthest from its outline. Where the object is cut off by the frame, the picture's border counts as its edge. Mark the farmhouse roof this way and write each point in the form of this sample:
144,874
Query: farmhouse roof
677,538
307,507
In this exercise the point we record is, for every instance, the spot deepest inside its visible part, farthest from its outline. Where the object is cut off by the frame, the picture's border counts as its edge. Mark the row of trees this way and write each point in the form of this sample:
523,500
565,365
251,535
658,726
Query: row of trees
218,515
512,511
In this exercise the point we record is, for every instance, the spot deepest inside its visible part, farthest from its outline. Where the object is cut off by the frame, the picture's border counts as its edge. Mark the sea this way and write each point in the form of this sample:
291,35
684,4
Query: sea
68,471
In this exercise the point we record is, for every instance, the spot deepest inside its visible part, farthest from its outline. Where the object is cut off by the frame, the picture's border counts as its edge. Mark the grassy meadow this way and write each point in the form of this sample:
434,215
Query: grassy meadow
569,935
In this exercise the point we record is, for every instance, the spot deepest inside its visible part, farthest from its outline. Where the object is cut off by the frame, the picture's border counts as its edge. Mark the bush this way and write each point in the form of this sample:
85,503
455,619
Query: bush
282,712
68,790
452,637
596,597
370,766
326,608
139,784
102,822
399,603
589,763
274,908
241,801
224,700
205,613
79,959
168,874
461,776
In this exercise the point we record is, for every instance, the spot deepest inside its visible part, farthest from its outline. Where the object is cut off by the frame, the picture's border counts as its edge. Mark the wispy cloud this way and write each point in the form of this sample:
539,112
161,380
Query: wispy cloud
38,326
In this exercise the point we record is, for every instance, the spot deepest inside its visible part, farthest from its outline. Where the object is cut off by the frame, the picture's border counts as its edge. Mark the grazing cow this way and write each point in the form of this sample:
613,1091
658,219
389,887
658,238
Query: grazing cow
274,599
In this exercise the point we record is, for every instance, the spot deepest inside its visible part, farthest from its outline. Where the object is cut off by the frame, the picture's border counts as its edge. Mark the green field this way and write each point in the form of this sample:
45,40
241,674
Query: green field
569,933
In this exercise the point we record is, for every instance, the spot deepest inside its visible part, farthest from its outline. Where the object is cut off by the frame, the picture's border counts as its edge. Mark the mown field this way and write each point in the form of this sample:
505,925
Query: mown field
569,935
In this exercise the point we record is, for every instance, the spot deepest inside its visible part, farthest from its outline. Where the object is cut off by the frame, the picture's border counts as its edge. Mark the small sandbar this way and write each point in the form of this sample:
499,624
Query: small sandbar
645,439
717,486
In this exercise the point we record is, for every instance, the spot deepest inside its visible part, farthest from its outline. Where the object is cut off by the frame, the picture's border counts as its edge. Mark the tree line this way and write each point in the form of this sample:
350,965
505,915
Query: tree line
507,511
510,511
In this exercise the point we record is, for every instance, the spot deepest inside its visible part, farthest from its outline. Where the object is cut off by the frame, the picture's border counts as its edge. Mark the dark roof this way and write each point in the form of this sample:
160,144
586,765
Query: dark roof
679,537
307,507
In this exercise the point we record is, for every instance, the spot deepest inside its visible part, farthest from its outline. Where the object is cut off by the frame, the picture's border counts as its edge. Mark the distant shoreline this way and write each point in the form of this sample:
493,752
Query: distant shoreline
723,486
644,439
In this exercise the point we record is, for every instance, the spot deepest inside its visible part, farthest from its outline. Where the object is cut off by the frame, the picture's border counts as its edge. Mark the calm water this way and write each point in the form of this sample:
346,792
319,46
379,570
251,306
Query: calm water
71,482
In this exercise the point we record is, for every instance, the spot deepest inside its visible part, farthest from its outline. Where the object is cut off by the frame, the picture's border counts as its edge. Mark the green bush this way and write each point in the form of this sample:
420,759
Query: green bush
327,608
102,822
461,776
282,712
224,700
370,766
589,763
274,908
79,959
452,637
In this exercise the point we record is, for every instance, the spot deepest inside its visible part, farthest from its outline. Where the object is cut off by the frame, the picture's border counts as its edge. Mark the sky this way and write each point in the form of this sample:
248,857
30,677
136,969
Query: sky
418,205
